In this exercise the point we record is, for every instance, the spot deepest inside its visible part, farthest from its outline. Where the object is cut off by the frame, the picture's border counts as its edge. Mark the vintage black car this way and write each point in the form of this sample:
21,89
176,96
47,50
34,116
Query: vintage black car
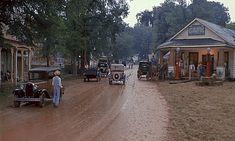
144,69
91,73
103,67
38,89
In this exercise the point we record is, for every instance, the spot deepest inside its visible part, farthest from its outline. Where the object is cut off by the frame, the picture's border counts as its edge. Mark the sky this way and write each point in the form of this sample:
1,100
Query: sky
136,6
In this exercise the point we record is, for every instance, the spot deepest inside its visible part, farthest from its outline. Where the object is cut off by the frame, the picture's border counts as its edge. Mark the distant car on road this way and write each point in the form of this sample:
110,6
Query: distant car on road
103,68
91,73
117,74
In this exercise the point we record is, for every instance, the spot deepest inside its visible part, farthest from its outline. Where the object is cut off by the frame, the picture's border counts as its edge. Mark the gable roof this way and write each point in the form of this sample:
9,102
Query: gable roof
226,34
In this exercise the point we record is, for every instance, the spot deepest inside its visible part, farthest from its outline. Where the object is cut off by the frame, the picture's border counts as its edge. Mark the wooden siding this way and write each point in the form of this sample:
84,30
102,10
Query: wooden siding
208,34
232,63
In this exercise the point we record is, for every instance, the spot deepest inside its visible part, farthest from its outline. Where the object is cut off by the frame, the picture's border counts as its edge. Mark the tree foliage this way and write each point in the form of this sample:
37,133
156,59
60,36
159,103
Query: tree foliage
172,15
231,26
74,26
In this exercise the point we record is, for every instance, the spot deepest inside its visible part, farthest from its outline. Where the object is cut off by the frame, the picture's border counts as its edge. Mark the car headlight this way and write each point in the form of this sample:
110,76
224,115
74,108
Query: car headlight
35,87
21,86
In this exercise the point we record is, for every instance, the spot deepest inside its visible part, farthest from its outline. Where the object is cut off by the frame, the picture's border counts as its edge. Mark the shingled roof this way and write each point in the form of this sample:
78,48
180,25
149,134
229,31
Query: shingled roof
227,34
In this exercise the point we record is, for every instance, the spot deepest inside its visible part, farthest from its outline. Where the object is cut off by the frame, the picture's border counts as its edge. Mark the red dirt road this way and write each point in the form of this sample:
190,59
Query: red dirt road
92,111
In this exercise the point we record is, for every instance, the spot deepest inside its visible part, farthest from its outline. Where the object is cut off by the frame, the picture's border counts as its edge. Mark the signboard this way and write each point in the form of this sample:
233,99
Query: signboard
196,30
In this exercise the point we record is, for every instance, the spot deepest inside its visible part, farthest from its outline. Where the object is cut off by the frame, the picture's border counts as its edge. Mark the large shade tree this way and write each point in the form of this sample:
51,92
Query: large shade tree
172,15
92,24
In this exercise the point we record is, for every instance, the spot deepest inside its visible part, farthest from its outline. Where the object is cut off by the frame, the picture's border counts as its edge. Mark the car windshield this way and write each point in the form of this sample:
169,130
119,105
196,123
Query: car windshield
38,76
144,65
102,65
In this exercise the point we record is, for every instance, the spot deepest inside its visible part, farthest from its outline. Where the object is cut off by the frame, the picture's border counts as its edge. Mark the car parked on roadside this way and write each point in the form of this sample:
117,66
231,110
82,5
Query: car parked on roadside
144,70
117,74
38,89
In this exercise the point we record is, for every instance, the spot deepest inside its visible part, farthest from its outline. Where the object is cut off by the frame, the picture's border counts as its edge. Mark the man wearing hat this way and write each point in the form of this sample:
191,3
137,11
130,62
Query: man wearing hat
56,83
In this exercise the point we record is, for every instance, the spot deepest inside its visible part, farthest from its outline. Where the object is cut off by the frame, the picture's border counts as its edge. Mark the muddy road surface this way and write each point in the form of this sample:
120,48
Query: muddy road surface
92,111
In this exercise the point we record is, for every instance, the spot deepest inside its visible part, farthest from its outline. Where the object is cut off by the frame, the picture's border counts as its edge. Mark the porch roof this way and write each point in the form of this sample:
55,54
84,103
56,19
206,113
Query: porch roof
191,43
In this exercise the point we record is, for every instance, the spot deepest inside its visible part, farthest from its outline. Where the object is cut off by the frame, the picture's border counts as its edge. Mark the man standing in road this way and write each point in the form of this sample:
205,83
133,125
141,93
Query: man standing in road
56,83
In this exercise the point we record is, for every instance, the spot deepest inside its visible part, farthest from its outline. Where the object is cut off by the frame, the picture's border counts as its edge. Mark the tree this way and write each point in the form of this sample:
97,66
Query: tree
145,18
92,23
231,26
214,12
173,15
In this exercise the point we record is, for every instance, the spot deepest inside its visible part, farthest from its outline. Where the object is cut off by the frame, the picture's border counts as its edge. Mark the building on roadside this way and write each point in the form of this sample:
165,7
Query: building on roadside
201,42
15,59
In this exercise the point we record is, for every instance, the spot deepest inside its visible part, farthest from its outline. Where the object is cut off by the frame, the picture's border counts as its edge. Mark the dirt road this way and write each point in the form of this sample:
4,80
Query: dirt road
92,111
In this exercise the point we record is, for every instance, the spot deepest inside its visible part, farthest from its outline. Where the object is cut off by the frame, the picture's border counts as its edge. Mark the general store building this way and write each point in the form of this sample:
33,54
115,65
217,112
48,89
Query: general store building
194,43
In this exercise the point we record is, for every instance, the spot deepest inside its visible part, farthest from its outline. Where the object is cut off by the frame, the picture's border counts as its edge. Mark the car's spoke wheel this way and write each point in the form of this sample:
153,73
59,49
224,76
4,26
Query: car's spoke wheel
16,103
42,100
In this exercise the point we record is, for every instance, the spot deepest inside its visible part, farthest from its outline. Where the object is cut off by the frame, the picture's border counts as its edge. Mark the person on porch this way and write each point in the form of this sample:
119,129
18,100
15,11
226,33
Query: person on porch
201,70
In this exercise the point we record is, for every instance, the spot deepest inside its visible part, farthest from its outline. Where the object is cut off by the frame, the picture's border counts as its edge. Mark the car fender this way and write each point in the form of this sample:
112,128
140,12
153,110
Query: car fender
19,92
41,91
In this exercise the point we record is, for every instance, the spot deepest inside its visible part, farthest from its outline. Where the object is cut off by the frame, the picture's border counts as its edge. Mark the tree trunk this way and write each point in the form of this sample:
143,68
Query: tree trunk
75,68
48,61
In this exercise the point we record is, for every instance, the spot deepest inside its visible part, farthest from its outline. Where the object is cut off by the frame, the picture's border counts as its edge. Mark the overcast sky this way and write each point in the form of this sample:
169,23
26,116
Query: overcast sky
137,6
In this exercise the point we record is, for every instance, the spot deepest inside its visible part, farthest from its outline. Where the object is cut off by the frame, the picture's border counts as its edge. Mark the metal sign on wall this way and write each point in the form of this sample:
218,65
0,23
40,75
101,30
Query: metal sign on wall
196,30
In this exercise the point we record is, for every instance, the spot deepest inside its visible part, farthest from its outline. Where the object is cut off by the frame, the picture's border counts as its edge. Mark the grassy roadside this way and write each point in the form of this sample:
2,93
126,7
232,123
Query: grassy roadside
200,113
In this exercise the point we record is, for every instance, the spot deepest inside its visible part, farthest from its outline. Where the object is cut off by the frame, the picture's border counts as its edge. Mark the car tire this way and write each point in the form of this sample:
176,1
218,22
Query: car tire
116,76
41,103
16,103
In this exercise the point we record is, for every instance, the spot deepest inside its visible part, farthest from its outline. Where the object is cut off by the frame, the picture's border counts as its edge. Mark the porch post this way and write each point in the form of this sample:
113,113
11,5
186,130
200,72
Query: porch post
0,66
12,64
171,65
22,65
29,58
16,65
220,69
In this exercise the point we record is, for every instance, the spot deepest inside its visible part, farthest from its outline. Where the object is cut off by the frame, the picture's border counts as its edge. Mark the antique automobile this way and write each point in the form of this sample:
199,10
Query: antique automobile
38,89
91,73
117,74
103,67
144,70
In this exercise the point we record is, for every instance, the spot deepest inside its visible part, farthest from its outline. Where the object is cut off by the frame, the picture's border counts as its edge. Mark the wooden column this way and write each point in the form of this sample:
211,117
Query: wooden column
16,65
12,64
172,58
22,65
221,58
29,58
0,65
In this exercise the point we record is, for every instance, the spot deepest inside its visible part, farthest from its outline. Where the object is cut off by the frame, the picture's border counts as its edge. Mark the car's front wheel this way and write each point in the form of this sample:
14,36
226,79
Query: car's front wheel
41,103
16,103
